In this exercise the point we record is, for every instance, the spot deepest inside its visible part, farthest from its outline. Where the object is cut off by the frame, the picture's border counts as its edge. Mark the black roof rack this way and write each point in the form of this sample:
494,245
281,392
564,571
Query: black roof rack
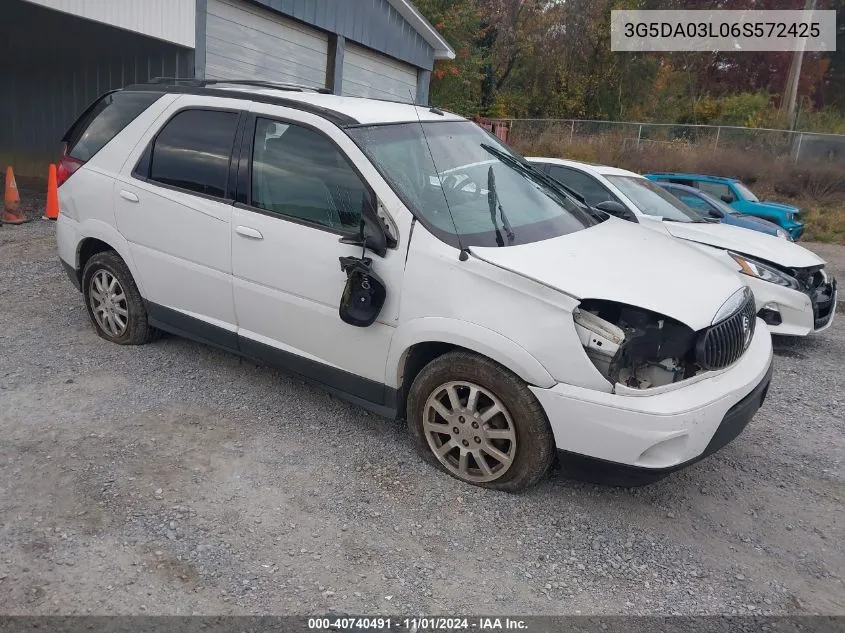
256,83
209,88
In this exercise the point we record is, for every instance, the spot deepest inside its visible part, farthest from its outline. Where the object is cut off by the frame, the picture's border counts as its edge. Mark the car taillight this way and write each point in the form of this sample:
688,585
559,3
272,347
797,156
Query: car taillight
67,166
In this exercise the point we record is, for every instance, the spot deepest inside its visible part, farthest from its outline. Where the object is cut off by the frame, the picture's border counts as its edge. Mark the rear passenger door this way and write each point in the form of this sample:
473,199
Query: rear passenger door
173,203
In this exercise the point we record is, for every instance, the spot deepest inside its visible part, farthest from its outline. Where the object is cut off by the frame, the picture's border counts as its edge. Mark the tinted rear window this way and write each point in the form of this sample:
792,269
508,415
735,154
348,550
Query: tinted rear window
193,151
104,120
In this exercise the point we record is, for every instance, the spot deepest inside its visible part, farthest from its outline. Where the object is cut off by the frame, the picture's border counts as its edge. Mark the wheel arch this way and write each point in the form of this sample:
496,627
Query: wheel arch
99,237
420,341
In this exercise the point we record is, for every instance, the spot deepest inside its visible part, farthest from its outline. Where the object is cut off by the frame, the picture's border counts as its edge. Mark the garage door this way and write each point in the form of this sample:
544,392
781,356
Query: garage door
246,42
368,74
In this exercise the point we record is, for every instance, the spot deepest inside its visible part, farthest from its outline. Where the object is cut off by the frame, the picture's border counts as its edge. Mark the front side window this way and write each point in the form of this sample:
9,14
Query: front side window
690,199
746,193
193,151
717,204
652,199
592,190
716,189
299,173
467,187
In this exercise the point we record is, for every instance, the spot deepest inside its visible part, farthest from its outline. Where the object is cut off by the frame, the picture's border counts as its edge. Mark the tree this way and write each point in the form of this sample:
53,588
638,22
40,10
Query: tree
456,84
552,58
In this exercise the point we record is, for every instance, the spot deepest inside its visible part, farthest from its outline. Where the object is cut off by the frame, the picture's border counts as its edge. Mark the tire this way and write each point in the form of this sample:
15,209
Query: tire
518,431
123,304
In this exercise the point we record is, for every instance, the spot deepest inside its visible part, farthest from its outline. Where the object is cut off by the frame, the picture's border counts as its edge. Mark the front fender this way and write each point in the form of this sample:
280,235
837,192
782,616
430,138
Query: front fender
470,336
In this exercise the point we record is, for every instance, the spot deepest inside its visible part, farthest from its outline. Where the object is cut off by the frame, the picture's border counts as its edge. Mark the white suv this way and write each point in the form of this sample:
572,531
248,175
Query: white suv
411,263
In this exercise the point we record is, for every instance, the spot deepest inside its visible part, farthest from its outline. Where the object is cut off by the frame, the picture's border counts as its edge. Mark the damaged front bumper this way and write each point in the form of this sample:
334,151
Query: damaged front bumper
652,435
789,312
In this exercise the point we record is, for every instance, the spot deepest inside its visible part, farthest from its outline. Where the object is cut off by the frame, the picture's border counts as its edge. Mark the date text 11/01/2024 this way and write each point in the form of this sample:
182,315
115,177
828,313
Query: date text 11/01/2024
417,624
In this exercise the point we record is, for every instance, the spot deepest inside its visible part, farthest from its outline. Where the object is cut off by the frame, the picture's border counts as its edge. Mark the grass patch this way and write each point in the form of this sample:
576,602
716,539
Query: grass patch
816,187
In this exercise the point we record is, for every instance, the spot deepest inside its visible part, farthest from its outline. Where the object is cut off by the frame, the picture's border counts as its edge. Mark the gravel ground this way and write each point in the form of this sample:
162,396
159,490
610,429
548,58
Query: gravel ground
174,478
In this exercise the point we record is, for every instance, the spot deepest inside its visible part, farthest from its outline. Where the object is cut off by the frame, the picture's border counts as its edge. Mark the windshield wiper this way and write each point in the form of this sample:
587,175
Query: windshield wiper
527,168
494,205
531,171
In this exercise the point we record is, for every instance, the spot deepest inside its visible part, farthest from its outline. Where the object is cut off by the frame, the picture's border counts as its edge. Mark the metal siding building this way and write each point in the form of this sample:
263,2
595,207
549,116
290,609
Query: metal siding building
57,56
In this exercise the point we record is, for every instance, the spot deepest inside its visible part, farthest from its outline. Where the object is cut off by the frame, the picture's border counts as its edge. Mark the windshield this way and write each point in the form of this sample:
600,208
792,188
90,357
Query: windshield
467,187
745,192
651,199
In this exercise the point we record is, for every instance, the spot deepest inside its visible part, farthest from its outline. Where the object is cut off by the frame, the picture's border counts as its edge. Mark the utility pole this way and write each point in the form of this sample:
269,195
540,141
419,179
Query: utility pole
791,96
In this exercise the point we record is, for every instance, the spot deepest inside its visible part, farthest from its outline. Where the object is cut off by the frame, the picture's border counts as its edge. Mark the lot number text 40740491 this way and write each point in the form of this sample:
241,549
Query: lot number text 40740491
384,624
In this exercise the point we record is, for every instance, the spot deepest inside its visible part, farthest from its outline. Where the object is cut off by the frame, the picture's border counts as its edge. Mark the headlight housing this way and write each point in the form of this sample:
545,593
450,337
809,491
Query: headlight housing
783,234
766,272
633,346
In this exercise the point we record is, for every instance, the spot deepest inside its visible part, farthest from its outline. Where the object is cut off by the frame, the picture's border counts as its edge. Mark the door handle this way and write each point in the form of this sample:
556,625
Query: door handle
247,231
128,195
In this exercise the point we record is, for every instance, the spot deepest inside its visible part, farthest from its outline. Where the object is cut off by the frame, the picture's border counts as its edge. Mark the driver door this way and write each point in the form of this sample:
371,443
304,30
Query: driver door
298,193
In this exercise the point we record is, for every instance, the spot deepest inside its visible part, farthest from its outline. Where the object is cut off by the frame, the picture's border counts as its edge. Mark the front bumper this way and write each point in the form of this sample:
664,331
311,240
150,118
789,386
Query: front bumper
657,434
610,474
800,313
795,230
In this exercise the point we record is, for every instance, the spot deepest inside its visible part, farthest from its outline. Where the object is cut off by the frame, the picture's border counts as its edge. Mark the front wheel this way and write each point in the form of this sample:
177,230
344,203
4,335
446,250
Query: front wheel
479,422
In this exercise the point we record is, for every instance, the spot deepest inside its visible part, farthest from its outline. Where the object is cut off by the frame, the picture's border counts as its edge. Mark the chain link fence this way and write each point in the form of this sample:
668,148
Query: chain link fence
800,146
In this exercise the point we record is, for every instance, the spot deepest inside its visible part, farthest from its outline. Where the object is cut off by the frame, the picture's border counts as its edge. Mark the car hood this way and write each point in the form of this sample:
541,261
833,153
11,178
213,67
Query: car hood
745,220
750,222
775,205
753,243
624,262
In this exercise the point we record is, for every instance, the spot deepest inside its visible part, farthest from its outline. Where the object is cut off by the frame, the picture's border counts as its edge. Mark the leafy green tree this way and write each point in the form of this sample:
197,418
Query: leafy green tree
552,58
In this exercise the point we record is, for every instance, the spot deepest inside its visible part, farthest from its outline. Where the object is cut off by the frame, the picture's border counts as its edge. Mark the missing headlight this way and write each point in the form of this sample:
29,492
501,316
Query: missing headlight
633,346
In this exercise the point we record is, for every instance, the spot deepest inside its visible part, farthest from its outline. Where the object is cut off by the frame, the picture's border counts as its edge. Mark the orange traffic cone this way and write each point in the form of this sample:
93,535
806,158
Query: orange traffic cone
52,212
12,201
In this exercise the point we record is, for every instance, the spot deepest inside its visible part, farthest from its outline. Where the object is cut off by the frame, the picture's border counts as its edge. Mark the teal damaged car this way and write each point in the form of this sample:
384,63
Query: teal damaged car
733,192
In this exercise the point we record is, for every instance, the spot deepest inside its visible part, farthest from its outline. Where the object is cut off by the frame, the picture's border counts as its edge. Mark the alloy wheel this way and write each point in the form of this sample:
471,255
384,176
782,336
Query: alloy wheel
108,303
470,431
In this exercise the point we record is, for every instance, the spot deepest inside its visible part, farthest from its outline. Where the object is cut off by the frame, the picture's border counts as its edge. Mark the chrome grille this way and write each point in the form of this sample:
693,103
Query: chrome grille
724,343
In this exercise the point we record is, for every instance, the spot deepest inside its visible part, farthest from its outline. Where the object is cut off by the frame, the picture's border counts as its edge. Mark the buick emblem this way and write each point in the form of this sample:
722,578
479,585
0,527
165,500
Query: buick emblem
746,330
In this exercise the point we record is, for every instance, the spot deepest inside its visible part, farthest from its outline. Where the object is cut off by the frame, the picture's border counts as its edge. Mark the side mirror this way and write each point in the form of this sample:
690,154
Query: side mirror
727,198
715,213
364,293
374,235
371,233
616,209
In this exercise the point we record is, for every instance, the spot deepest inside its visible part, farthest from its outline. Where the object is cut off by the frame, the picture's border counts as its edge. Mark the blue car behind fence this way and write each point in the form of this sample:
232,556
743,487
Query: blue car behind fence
732,192
710,207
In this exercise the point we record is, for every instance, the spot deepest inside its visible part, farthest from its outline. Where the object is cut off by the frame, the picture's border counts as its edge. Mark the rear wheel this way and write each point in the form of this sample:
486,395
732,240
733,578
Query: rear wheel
479,422
114,304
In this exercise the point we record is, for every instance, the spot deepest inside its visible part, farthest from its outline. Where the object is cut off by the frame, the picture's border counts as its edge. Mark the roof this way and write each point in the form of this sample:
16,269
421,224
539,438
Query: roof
441,47
343,111
364,111
600,170
674,185
675,174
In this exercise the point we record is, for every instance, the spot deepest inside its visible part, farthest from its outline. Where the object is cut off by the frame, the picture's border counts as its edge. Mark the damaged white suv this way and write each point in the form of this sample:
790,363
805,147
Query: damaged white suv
409,262
793,293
